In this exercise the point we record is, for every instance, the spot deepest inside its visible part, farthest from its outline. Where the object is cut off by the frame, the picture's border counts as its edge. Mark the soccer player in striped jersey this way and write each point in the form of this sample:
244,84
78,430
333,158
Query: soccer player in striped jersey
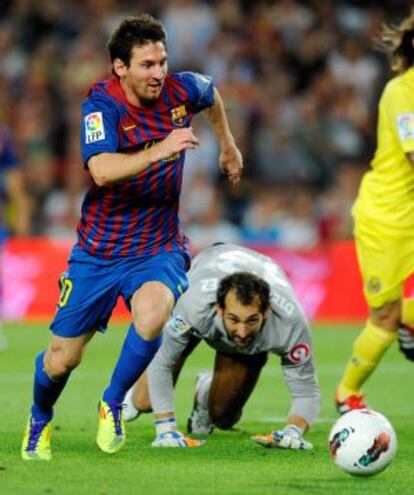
136,128
384,224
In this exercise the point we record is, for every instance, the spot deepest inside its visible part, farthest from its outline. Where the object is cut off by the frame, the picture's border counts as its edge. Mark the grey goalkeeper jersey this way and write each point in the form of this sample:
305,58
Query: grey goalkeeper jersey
286,332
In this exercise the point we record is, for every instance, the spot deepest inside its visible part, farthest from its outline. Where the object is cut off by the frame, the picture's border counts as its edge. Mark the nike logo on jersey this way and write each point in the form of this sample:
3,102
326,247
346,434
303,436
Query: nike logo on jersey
129,127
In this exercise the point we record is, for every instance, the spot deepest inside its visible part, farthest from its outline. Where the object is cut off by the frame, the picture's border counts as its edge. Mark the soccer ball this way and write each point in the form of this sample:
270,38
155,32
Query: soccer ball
362,442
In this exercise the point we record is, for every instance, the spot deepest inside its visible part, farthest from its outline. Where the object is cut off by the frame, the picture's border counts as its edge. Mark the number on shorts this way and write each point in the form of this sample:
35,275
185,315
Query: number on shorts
66,287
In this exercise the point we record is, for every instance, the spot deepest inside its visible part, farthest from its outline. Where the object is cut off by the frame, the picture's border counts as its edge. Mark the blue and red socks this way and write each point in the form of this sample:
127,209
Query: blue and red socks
46,391
136,354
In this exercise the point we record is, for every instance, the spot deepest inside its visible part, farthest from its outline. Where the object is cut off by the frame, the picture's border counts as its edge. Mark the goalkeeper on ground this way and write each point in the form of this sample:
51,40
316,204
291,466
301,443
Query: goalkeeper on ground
240,303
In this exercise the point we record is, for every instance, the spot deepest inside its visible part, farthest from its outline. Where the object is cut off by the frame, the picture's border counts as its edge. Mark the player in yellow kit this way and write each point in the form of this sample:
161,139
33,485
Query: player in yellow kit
384,223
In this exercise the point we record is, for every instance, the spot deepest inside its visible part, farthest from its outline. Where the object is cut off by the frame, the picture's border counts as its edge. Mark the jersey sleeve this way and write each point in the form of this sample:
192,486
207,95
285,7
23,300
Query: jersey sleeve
300,376
199,88
176,336
397,103
187,323
99,129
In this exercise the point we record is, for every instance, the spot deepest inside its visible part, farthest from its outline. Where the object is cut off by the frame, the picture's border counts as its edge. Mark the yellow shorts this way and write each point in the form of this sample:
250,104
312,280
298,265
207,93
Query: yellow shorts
386,260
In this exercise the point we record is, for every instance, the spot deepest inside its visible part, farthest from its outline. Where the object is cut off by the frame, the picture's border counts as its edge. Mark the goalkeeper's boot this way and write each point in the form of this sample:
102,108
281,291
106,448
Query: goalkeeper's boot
36,441
199,422
111,430
350,403
175,438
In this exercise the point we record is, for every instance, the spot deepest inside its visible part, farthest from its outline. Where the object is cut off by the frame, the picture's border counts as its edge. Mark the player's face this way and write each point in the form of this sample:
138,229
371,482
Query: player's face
144,78
242,322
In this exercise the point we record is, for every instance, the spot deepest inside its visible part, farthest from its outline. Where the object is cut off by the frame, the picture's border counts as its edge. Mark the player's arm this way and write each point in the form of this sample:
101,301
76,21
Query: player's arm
300,376
107,168
303,411
231,162
100,144
161,389
303,385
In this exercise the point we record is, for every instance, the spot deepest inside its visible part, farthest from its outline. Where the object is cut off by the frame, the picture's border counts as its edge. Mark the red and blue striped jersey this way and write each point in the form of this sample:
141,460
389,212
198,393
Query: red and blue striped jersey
137,216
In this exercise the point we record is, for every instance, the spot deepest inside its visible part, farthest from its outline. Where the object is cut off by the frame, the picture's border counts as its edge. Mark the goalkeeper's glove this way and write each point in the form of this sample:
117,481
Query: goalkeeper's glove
291,437
175,438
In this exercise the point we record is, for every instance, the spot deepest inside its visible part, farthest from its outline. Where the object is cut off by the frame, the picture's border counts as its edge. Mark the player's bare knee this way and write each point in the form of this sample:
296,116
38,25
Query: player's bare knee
387,316
150,325
72,361
142,405
224,422
59,363
56,368
222,418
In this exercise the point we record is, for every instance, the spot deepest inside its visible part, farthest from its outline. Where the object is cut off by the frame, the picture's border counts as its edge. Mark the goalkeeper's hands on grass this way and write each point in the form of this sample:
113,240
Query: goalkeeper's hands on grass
175,438
291,437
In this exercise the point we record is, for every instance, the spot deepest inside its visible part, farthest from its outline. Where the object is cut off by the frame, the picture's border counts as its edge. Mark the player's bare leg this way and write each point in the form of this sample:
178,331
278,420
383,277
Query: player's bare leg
151,306
64,354
234,379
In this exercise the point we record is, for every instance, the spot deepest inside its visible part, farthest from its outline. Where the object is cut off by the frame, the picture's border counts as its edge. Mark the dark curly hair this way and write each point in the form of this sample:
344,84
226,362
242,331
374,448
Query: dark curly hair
135,31
247,286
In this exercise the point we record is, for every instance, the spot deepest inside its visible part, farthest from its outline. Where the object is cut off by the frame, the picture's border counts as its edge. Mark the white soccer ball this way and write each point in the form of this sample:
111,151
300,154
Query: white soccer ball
362,442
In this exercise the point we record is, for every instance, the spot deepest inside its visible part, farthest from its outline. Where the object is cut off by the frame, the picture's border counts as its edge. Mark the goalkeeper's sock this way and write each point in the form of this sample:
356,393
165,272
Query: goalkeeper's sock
136,354
46,391
367,351
163,425
203,389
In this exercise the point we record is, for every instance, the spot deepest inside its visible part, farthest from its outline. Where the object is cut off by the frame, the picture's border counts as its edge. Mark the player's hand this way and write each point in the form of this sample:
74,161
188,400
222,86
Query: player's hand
178,140
290,437
231,163
175,438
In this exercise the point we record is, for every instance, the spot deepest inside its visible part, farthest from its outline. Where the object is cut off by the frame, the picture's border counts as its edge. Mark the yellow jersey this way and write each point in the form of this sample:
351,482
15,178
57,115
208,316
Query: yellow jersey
386,195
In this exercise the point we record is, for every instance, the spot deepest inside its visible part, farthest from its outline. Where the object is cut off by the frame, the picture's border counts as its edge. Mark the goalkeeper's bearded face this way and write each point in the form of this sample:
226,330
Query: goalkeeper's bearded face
242,321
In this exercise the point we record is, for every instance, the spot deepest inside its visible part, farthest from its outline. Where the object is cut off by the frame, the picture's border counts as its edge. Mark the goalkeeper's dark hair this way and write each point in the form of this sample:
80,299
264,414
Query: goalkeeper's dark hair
135,31
397,42
247,287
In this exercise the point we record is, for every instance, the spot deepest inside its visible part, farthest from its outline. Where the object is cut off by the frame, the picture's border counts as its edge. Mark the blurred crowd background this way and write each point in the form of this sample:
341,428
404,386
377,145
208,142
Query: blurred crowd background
300,80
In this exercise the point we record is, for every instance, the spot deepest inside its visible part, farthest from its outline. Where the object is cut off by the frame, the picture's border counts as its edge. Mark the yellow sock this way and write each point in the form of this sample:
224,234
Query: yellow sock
367,351
407,311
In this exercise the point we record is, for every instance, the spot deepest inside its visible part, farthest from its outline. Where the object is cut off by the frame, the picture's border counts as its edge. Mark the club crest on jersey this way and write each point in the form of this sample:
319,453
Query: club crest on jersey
405,124
299,353
374,285
179,116
178,324
94,128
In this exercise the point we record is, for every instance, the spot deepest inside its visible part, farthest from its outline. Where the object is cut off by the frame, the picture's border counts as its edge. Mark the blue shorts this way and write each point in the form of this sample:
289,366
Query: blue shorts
91,286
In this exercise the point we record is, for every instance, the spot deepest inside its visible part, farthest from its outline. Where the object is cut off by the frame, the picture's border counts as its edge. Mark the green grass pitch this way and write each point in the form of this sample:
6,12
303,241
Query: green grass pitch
229,463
